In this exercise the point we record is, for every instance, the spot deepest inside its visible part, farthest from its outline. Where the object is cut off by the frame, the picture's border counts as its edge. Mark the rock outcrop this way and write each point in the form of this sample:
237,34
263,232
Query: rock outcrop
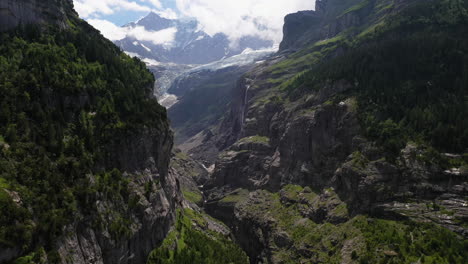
332,17
14,12
145,157
109,225
328,19
277,135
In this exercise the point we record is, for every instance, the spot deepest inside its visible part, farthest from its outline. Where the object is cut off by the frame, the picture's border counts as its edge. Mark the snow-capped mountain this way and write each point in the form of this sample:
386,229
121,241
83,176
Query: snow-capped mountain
248,56
171,79
190,44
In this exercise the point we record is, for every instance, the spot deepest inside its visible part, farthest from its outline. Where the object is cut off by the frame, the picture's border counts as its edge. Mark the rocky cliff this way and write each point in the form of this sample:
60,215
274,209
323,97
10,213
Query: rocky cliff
310,142
14,13
332,17
144,157
87,180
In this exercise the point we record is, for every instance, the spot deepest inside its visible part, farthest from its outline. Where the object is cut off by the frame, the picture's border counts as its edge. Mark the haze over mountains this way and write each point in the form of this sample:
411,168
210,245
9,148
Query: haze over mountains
189,44
176,50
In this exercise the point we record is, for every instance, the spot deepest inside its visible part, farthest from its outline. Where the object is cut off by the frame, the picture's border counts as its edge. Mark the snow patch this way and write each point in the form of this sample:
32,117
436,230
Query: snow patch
151,62
247,51
146,48
132,54
248,56
168,100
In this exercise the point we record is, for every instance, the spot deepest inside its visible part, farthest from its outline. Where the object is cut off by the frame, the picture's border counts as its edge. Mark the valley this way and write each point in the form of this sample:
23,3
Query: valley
345,143
300,149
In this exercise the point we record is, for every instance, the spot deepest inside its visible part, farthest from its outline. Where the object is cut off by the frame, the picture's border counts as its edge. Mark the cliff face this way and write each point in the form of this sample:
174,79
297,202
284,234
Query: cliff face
189,116
332,17
101,191
298,156
14,13
145,157
328,19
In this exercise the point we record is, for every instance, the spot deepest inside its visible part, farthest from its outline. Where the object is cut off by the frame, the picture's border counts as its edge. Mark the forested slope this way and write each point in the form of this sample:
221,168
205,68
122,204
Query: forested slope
78,123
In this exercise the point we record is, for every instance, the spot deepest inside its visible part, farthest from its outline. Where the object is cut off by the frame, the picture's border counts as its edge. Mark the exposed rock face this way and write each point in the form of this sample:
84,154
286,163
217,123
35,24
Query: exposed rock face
330,18
317,142
411,189
306,149
205,93
197,90
272,137
263,222
147,149
307,27
16,12
295,24
151,220
142,156
145,158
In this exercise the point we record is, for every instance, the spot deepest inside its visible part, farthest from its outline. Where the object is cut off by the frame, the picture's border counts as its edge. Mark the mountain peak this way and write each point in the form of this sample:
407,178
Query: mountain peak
155,22
191,45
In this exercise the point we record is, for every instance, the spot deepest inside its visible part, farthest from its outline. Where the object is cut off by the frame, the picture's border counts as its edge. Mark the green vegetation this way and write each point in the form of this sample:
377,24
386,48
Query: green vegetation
424,101
119,228
338,38
368,240
357,7
37,257
235,197
359,161
193,196
67,97
255,139
189,245
408,242
384,5
294,192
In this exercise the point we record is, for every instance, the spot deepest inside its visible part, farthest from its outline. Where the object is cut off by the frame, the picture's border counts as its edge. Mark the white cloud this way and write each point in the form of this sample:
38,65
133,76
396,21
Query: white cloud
151,62
113,32
155,3
108,29
87,8
165,36
167,13
238,18
235,18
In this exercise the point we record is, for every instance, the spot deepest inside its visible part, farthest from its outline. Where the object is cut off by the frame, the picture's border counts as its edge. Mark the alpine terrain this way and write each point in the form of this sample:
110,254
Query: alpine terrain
347,143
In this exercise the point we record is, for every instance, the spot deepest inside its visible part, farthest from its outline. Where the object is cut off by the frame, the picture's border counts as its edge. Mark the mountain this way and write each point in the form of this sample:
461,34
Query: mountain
14,13
350,144
85,149
79,142
199,96
191,45
191,50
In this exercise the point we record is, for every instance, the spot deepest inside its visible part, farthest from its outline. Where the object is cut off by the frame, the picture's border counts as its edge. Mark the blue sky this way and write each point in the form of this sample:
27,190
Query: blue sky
126,16
121,12
235,18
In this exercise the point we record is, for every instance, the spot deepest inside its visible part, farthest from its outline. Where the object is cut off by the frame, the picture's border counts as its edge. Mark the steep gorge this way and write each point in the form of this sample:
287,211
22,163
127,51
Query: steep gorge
87,168
347,146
